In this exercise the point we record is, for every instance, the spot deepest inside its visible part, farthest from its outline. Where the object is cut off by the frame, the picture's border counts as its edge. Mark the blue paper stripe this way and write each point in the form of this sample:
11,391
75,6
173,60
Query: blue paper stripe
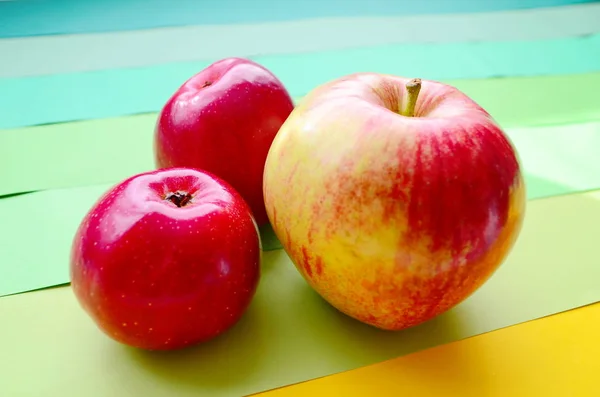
117,92
43,17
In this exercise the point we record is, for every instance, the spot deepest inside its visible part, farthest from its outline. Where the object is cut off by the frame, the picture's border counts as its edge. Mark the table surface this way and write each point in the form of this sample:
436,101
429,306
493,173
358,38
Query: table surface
84,85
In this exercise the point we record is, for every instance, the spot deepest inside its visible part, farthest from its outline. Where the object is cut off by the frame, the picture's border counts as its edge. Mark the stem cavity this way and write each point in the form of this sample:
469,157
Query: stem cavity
180,199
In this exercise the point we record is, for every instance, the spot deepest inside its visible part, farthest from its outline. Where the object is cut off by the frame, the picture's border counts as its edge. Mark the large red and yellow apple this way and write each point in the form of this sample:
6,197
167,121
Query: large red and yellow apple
395,199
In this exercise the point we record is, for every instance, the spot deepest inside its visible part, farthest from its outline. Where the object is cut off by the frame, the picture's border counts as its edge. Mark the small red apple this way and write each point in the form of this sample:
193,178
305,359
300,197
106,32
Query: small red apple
166,259
223,120
396,199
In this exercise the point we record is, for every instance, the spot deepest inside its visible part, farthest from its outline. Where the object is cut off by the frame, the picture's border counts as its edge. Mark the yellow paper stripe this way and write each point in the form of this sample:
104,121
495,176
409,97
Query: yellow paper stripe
553,356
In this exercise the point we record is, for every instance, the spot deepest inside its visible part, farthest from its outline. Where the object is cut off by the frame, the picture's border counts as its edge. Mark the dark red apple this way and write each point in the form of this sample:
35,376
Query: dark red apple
166,259
223,120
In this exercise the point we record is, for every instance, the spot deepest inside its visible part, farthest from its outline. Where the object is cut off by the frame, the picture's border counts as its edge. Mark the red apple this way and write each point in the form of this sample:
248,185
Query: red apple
223,120
166,259
396,199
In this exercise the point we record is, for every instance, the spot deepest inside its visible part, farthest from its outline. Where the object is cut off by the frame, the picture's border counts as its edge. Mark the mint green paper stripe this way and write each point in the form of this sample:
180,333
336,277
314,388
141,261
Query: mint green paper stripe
111,93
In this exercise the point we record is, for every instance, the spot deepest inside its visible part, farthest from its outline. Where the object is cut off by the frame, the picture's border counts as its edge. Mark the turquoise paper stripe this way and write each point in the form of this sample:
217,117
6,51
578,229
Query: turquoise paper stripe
117,92
43,17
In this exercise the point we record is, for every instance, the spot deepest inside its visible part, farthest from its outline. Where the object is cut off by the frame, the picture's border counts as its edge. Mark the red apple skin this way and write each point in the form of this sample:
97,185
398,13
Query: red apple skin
393,219
226,127
160,277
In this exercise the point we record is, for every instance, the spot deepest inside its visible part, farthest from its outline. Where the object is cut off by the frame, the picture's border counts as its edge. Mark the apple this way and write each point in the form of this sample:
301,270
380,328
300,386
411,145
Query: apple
395,198
223,120
166,259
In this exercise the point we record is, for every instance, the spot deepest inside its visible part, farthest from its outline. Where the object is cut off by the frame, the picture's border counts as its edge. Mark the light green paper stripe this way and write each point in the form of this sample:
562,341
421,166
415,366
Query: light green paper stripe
557,160
101,151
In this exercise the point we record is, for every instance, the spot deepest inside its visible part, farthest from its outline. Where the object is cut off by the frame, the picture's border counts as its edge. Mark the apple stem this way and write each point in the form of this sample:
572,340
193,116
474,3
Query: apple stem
180,199
413,88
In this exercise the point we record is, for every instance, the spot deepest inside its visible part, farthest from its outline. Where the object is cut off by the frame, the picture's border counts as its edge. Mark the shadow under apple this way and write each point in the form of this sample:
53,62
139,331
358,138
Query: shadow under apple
212,366
268,238
360,344
319,340
288,335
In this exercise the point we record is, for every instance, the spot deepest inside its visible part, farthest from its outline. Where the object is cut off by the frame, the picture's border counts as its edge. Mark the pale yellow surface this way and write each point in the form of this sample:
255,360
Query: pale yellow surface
552,356
50,348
